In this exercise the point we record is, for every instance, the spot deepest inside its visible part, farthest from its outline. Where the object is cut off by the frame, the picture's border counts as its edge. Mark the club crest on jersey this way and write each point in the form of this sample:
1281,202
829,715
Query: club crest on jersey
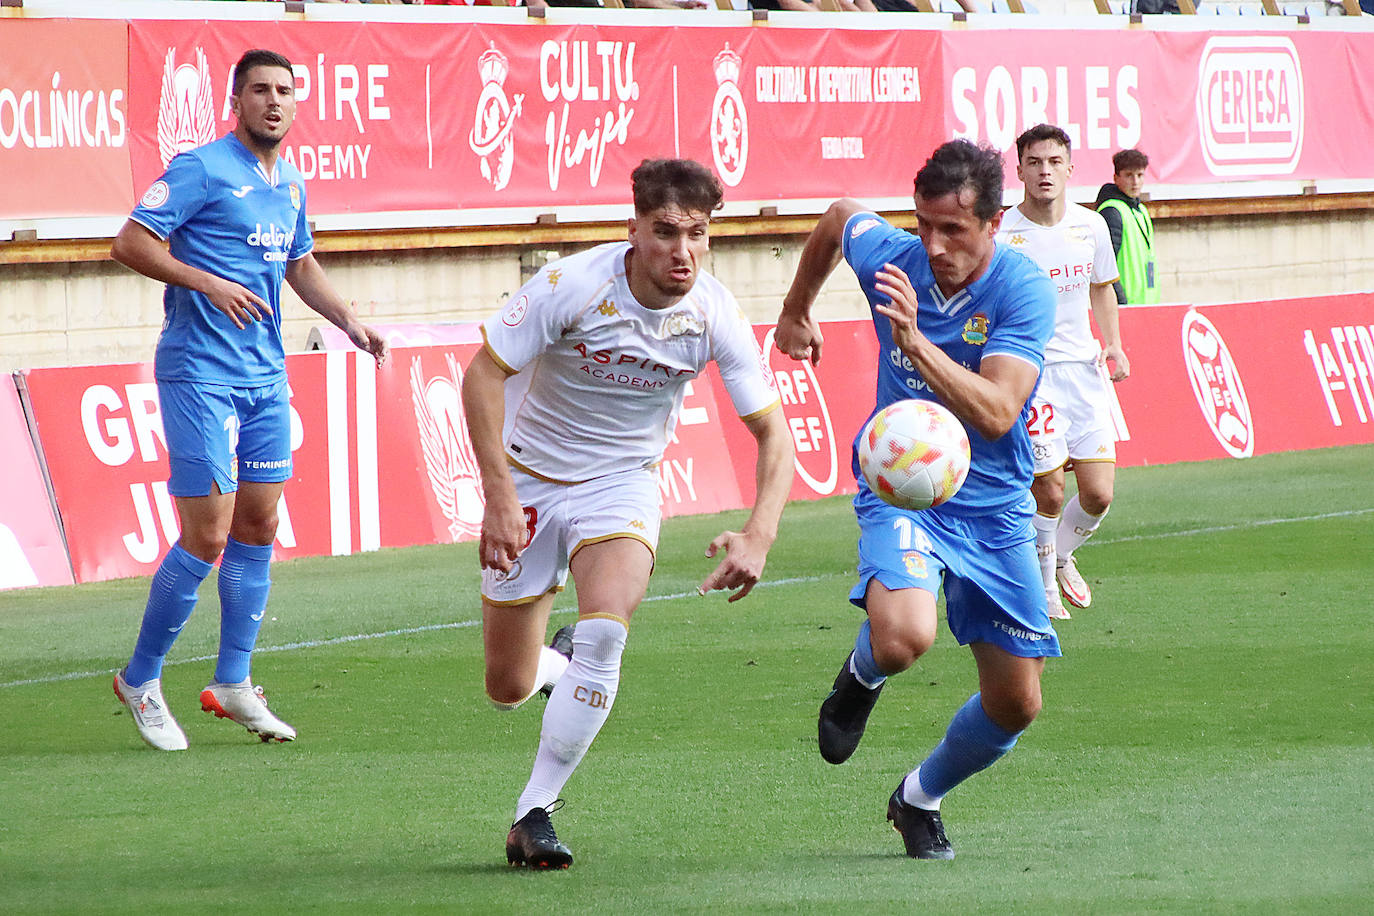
729,123
295,190
682,324
185,108
976,330
915,564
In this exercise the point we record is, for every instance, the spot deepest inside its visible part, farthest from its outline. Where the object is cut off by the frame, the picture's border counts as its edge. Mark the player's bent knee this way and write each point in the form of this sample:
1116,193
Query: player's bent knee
506,696
1013,713
1095,503
899,651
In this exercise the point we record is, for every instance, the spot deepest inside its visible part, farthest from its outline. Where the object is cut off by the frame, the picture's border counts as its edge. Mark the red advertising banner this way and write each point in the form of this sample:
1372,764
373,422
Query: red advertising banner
382,458
461,116
433,117
64,118
1249,378
31,548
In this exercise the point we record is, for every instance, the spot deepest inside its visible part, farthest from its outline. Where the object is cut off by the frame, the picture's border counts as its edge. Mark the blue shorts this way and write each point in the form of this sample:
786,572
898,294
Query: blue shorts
994,592
220,434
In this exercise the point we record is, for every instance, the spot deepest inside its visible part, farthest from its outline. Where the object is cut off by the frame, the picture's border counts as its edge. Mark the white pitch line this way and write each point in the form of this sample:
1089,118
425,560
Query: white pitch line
772,583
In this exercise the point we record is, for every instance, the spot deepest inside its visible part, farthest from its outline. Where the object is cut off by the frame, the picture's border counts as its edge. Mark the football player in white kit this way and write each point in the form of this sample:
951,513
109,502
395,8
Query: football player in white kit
1070,422
570,404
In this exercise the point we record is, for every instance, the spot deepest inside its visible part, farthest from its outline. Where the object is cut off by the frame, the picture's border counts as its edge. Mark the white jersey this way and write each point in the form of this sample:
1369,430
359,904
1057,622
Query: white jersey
599,379
1076,253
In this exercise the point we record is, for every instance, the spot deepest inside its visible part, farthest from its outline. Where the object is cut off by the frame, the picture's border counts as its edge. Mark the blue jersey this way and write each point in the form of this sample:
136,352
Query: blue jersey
1009,310
221,212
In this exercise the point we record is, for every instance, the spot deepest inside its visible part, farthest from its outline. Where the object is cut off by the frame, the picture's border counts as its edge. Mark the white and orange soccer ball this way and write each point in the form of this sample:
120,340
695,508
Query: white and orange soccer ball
914,454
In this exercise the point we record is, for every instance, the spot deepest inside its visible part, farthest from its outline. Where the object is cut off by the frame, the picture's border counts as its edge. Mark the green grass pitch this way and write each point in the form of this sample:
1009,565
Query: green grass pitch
1207,742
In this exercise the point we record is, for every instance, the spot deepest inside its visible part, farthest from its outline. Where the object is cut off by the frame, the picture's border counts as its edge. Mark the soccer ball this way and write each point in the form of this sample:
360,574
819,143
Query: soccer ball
914,454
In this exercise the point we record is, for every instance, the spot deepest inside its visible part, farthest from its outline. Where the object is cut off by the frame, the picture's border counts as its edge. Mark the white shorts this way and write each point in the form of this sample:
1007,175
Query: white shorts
1070,418
563,518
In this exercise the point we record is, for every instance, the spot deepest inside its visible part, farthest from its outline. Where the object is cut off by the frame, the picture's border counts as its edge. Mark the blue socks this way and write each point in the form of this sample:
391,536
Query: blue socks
863,665
972,743
244,581
171,599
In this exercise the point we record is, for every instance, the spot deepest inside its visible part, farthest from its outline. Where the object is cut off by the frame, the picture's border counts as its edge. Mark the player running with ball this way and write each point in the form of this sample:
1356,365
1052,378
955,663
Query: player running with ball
963,321
571,403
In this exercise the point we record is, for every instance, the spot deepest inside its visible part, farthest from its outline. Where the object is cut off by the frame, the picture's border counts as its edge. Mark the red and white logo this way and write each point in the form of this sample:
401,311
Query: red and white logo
1217,386
1250,105
492,137
449,458
515,312
185,110
729,123
156,195
808,418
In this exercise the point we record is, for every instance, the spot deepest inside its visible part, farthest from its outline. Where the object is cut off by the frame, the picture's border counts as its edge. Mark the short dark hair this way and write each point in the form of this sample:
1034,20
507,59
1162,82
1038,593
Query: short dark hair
961,164
689,184
1127,160
258,57
1042,132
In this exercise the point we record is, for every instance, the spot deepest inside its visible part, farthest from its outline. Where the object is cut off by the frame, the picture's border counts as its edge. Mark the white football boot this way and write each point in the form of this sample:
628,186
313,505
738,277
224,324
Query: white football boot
1072,583
1056,606
155,723
245,704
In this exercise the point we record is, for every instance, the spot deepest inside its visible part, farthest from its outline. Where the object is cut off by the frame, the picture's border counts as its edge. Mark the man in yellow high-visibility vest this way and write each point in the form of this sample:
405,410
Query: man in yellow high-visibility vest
1133,235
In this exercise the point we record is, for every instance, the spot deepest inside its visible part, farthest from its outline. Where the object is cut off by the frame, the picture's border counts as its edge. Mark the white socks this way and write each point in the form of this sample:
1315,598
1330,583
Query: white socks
1075,527
914,795
577,709
1045,528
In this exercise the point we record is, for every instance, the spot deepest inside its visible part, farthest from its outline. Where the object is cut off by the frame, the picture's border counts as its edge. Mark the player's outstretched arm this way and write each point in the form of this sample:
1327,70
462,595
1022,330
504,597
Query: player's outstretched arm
308,279
798,334
990,399
139,250
484,406
746,551
1107,314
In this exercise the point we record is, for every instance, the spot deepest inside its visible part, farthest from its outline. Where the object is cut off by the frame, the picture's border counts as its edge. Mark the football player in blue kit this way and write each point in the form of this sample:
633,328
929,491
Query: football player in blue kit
232,214
962,321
